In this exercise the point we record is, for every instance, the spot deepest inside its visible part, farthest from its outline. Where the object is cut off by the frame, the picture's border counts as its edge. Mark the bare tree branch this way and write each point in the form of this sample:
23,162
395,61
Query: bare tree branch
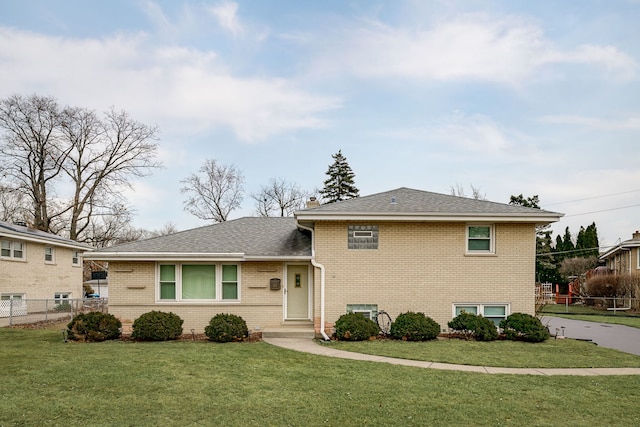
214,191
279,198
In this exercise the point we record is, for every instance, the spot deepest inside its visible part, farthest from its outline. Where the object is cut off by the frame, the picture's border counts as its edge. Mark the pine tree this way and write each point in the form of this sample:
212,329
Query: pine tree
588,239
340,185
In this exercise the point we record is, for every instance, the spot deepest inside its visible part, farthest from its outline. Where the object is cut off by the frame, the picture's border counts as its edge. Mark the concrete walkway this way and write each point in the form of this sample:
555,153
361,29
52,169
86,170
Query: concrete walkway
310,346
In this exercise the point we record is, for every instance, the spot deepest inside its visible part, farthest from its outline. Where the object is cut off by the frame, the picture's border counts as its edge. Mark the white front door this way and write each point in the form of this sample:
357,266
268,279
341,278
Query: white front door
297,292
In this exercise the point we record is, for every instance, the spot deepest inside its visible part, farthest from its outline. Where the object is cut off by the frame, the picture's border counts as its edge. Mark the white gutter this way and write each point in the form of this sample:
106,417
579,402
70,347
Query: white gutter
322,276
543,218
155,256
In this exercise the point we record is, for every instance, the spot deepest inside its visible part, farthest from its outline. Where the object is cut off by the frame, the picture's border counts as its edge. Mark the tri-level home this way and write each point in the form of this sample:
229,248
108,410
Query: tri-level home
38,265
624,258
397,251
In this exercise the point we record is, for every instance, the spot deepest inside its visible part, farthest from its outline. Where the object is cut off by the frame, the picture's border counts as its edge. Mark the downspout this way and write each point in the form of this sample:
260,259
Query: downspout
321,267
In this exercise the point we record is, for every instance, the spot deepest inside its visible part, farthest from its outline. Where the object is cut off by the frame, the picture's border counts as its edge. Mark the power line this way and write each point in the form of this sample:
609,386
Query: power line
594,197
604,210
573,250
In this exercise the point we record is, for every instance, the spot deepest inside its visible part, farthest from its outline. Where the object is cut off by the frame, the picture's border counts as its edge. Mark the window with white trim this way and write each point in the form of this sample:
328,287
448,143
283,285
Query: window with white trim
12,249
370,311
75,258
49,255
60,296
480,239
493,312
185,282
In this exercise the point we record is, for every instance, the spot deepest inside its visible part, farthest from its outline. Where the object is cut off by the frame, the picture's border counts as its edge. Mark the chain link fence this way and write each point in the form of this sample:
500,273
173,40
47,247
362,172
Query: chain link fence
28,311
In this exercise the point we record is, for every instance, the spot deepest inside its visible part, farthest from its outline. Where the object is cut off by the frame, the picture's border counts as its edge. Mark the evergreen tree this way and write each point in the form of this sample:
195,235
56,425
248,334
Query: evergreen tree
546,269
588,239
340,185
564,246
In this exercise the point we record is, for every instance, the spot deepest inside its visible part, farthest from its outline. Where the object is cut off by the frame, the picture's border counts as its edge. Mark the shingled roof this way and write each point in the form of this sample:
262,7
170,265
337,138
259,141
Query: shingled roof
243,238
22,232
406,203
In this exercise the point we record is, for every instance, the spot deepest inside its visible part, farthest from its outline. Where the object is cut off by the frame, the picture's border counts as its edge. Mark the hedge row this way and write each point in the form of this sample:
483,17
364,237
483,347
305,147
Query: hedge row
153,326
412,326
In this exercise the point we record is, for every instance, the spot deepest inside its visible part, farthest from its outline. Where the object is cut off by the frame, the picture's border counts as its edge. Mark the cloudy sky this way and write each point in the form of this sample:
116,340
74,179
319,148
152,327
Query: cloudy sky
507,96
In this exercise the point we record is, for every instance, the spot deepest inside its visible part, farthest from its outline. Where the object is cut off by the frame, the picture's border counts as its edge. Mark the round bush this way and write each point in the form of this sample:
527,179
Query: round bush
412,326
226,327
474,326
94,326
355,327
157,326
521,326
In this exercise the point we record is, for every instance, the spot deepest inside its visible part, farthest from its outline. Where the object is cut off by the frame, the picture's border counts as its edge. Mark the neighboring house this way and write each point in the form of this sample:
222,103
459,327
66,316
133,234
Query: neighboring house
401,250
624,258
38,265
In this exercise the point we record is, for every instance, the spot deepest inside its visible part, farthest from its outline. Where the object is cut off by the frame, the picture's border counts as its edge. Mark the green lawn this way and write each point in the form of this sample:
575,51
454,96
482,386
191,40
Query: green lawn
45,381
509,354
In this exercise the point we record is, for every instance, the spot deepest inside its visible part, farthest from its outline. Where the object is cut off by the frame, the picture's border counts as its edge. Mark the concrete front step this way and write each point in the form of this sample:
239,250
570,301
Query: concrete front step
298,331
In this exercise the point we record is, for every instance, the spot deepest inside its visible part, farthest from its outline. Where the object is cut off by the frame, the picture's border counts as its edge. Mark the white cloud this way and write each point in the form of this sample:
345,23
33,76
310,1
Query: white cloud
226,13
186,87
468,47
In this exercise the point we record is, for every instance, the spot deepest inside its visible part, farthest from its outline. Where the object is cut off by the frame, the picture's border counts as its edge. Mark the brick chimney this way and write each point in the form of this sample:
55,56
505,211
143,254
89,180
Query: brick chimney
636,235
312,203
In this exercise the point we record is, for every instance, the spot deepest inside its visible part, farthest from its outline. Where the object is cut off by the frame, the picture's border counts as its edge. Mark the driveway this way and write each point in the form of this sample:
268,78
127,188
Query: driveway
619,337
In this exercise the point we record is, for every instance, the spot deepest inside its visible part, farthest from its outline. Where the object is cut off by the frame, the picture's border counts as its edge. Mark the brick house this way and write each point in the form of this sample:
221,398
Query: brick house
624,258
38,265
401,250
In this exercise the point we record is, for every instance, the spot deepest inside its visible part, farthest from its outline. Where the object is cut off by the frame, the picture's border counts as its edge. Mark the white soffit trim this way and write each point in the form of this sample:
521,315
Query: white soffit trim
46,241
159,256
538,219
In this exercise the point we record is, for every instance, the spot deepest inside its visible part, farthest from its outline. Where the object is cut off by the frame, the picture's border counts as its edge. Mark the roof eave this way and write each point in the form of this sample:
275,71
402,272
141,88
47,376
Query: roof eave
160,256
542,218
620,247
194,256
45,240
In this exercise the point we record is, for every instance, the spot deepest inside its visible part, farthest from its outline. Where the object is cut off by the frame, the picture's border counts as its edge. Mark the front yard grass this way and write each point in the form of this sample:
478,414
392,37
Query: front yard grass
564,353
591,314
48,382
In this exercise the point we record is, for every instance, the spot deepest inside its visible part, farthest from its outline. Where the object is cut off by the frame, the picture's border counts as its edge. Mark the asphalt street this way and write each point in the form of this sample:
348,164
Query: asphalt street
623,338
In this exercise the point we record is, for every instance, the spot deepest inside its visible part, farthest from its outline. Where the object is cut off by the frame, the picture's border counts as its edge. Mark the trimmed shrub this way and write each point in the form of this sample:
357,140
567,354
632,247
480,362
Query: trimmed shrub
355,327
226,328
474,326
412,326
157,326
521,326
94,327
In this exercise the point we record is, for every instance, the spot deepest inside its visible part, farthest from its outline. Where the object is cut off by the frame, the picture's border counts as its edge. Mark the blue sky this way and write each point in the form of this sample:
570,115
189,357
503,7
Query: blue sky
508,96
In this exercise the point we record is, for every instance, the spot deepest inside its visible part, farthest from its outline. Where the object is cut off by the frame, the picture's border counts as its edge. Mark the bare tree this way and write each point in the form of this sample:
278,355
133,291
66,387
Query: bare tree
112,226
14,206
279,198
45,147
165,230
32,152
105,155
458,190
214,191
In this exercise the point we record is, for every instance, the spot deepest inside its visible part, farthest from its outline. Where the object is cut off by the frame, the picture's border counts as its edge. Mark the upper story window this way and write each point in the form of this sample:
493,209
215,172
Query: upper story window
75,258
480,239
362,236
198,282
12,249
49,255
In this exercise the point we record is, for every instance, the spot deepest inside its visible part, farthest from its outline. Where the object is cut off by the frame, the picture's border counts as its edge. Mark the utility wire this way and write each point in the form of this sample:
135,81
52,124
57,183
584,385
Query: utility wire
604,210
594,197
